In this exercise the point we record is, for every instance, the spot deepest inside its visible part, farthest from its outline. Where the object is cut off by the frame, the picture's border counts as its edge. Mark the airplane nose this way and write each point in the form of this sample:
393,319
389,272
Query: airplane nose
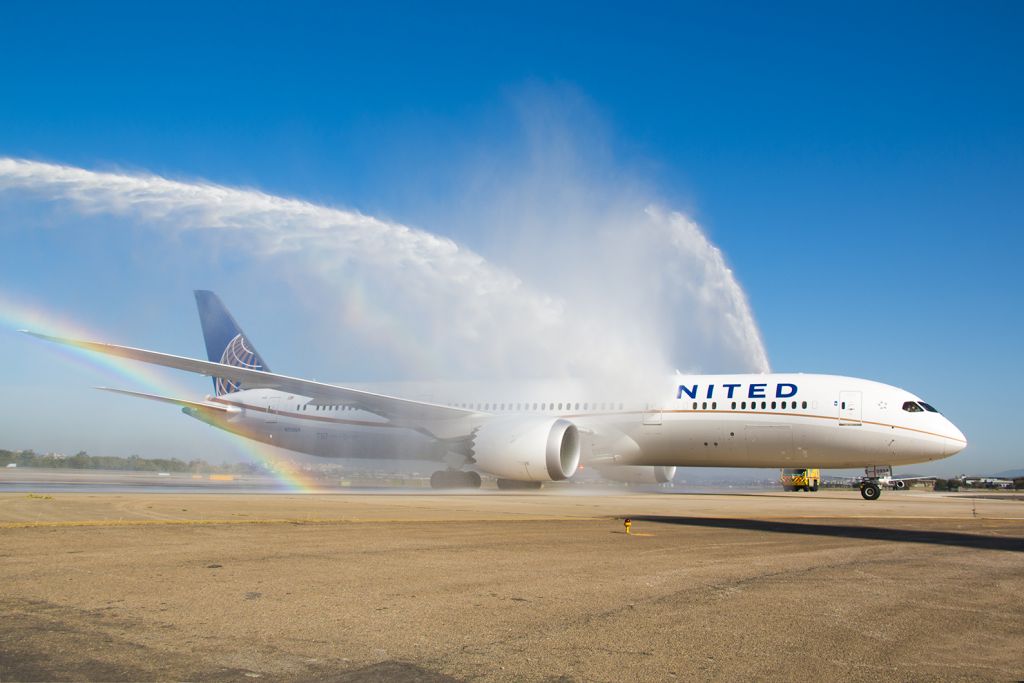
956,441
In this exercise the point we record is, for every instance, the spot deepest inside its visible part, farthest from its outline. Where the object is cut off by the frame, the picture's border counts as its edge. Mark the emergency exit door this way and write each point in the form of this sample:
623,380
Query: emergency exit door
849,408
652,415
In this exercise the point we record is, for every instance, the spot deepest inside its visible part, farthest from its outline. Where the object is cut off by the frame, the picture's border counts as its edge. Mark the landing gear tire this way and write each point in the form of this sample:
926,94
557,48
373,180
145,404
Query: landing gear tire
516,485
814,488
453,479
870,491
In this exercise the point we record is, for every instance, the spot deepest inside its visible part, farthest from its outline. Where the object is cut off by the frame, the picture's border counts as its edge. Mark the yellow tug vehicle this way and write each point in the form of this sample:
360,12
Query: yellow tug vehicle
800,479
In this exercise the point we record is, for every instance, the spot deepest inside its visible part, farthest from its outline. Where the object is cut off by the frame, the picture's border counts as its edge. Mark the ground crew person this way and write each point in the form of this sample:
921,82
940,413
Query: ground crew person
628,523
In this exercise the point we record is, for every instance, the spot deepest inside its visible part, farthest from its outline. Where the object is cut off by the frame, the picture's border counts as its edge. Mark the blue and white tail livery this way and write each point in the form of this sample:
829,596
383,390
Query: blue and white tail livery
225,341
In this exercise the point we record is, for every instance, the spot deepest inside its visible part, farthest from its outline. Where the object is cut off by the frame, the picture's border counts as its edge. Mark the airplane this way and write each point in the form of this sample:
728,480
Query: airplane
526,434
887,479
901,483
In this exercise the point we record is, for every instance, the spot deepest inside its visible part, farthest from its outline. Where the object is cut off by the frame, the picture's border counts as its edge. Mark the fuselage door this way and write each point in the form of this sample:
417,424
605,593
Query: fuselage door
272,404
849,408
652,415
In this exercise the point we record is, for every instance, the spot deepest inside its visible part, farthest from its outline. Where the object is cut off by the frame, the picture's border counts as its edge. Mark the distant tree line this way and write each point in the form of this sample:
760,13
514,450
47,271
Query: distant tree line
84,461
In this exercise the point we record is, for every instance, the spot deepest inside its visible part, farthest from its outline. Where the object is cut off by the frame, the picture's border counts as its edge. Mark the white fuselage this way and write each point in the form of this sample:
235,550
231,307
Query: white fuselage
775,420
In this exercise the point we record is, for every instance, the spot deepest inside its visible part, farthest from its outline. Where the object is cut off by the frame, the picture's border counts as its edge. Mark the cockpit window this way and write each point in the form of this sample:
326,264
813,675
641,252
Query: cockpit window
927,407
912,407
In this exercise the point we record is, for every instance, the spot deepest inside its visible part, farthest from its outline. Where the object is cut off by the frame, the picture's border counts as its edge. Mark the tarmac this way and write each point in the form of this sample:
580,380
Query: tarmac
495,586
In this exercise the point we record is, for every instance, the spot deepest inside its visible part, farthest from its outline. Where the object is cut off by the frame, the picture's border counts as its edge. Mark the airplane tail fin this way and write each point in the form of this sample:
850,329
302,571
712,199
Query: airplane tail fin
225,341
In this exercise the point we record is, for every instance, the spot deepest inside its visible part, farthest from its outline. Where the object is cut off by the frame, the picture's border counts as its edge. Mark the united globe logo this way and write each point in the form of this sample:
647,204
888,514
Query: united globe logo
236,354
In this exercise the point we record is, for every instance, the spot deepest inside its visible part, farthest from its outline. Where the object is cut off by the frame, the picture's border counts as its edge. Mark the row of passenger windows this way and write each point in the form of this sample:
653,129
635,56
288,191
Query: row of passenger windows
490,406
566,405
323,408
589,407
909,406
742,405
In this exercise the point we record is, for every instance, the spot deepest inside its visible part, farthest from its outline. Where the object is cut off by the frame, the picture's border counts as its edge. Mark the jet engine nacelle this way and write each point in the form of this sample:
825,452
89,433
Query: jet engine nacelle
639,474
528,449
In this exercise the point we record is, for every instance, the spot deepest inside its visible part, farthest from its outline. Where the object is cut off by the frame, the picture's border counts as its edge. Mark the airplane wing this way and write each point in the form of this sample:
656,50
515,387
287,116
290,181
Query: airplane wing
388,407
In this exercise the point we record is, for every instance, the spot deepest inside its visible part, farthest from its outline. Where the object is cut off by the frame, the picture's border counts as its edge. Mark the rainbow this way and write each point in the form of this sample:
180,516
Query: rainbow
25,315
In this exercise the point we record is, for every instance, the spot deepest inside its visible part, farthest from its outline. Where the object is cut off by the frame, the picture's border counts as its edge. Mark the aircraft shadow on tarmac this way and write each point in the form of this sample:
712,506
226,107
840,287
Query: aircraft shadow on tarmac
844,531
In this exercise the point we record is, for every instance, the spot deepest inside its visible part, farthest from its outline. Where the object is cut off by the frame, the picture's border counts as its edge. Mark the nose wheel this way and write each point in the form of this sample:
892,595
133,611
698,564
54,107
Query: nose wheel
870,489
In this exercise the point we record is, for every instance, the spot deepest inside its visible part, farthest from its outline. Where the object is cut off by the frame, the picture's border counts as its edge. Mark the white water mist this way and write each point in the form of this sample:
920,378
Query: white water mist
642,291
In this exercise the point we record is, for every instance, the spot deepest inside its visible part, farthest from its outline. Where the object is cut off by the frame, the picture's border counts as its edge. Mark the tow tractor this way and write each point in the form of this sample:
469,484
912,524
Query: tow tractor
870,486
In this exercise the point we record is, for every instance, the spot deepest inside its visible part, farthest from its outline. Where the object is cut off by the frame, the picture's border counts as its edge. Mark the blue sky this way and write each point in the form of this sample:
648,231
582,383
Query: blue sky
861,168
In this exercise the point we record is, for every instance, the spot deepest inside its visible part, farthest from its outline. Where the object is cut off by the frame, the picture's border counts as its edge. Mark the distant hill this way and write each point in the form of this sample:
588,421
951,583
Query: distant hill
1009,474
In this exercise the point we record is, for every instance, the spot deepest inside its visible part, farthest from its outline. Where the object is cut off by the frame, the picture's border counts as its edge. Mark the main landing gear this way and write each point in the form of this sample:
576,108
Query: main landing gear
454,479
870,489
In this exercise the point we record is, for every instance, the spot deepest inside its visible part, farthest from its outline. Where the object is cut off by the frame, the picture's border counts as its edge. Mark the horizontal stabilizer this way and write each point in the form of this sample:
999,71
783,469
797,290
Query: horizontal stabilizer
198,405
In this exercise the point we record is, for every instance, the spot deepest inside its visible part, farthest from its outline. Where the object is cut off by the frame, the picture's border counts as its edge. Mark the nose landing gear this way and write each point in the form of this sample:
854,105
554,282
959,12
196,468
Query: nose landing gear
870,488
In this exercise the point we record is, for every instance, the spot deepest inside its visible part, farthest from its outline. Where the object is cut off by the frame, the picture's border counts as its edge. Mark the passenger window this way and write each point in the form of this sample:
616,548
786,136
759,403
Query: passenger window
577,406
714,405
704,405
773,405
695,405
804,405
912,407
743,405
734,405
559,406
